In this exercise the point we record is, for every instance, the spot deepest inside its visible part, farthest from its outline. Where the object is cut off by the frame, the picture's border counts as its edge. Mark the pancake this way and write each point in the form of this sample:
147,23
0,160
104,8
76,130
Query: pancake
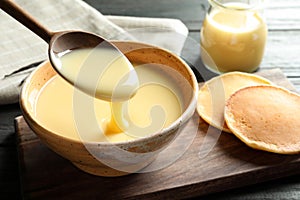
265,118
214,93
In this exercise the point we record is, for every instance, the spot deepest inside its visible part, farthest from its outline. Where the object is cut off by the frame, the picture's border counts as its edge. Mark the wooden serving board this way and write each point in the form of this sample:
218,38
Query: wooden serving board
213,162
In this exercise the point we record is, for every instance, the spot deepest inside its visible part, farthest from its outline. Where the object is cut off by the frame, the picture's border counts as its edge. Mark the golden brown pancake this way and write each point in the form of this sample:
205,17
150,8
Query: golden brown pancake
265,118
214,93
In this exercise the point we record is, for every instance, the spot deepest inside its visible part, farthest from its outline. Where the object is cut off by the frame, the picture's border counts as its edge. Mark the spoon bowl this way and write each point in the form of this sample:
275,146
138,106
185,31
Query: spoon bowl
98,71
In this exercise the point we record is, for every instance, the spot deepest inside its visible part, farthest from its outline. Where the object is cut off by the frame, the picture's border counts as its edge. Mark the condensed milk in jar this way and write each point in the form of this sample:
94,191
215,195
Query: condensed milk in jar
233,35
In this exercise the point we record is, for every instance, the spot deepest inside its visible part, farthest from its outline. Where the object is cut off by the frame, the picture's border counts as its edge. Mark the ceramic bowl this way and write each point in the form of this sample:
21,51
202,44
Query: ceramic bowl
118,158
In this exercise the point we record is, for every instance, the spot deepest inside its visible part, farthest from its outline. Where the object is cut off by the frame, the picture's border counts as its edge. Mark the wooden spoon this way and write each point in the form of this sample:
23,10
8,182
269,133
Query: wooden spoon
63,41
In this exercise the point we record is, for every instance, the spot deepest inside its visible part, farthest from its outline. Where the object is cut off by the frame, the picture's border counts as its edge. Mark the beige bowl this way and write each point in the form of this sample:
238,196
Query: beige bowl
116,158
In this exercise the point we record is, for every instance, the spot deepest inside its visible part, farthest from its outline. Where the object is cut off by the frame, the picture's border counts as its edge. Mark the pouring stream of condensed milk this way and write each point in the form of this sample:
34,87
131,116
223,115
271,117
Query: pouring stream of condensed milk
103,71
104,57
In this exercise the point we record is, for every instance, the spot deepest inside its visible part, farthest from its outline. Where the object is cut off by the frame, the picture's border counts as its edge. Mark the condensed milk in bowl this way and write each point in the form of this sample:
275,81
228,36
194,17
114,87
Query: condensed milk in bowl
233,35
113,138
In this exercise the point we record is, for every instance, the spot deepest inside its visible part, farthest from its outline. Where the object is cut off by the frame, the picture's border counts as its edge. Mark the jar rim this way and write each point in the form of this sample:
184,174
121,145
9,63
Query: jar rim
255,6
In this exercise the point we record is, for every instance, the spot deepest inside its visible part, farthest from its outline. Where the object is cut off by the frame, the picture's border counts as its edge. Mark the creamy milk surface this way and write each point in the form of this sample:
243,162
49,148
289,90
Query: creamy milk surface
233,39
157,100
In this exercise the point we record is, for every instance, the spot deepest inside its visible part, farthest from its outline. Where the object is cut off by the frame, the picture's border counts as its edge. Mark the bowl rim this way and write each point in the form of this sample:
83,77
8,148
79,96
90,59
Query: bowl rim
184,117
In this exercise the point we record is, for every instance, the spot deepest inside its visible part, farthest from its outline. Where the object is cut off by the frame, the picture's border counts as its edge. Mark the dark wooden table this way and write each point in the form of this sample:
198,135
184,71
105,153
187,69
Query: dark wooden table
283,51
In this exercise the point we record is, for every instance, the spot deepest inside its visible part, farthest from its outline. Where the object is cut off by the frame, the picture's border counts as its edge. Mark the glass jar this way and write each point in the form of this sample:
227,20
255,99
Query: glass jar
233,35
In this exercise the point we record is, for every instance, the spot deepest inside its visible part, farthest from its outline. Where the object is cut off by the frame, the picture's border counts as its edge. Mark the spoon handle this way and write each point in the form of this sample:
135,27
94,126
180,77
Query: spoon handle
15,11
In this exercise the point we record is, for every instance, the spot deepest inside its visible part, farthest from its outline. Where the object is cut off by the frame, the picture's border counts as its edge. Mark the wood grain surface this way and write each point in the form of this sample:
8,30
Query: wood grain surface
213,162
282,17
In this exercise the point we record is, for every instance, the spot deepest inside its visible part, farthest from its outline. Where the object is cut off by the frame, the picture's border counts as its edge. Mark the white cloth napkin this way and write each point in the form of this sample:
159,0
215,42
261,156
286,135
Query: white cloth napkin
21,50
